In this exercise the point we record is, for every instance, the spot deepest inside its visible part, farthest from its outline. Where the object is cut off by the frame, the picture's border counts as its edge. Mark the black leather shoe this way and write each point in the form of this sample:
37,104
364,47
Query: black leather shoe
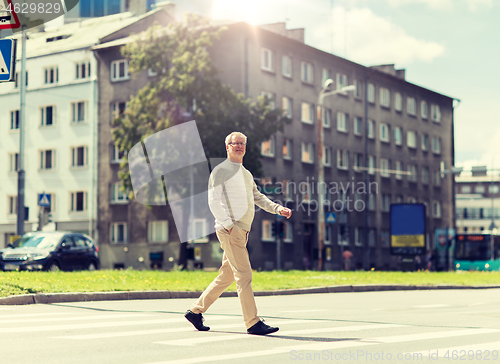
260,328
197,320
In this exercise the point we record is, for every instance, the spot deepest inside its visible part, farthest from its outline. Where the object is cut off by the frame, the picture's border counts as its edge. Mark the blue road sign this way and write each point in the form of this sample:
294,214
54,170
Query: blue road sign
44,200
7,60
330,218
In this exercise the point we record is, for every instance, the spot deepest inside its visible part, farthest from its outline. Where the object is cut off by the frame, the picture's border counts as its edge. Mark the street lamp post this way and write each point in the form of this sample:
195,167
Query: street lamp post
321,171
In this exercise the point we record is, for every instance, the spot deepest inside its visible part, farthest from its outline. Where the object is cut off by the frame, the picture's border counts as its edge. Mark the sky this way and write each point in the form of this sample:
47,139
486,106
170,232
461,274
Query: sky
449,46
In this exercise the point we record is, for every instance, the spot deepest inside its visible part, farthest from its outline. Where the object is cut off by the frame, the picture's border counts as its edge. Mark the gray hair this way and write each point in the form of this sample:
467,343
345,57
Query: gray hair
230,136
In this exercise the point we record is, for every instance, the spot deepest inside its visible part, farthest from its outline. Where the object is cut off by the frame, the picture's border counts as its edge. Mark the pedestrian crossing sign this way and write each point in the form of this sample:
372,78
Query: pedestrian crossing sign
44,200
331,218
7,60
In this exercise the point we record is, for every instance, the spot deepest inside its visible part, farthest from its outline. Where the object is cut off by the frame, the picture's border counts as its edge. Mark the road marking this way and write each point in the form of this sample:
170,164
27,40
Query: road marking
34,315
76,318
334,345
202,340
432,306
460,350
301,311
160,331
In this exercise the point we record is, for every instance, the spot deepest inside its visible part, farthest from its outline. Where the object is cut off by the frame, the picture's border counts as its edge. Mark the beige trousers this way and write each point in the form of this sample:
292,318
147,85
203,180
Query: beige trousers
235,266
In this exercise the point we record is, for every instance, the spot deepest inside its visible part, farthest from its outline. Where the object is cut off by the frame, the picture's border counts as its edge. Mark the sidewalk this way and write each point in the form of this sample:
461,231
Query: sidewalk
29,299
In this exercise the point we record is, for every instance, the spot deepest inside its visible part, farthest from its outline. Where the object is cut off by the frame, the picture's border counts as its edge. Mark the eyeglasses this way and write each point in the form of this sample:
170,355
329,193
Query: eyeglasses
238,144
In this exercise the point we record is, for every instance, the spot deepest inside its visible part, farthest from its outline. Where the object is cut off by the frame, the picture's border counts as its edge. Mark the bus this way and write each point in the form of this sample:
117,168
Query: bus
477,252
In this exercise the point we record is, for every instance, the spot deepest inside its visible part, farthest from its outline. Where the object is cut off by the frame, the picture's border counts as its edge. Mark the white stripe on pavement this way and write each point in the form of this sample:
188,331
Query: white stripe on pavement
333,345
161,331
75,318
432,306
202,340
35,314
462,352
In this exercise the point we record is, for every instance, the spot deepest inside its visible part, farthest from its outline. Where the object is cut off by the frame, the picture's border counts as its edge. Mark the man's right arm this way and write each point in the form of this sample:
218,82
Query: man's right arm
216,200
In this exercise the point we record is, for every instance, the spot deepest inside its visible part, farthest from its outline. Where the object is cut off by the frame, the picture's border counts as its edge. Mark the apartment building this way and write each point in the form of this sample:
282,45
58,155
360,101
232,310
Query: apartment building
477,203
61,126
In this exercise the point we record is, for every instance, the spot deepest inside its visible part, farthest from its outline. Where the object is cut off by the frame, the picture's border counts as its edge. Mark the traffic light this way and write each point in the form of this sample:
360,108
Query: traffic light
281,229
274,228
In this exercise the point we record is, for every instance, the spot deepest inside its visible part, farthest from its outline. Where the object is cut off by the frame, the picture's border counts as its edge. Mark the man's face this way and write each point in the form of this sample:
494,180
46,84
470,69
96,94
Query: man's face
236,148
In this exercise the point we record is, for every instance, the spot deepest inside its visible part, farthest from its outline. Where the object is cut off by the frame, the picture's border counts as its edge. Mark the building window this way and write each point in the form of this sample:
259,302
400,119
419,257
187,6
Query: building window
79,156
200,230
436,209
287,148
307,114
385,166
372,237
398,166
385,97
342,159
118,232
47,159
411,107
327,117
359,89
385,238
411,139
358,125
267,147
116,155
341,82
327,156
437,178
267,231
306,193
267,60
117,196
14,162
271,99
51,75
424,142
424,113
398,135
358,236
118,109
16,80
436,145
425,175
384,133
371,93
412,169
358,162
158,231
288,232
286,69
14,120
11,205
325,75
83,70
479,189
371,164
78,201
436,113
386,203
307,150
371,129
372,201
342,122
306,72
48,115
119,70
465,189
78,111
398,102
287,106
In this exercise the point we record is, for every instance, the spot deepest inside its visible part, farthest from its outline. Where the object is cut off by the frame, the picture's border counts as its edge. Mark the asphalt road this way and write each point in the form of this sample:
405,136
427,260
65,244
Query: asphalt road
451,326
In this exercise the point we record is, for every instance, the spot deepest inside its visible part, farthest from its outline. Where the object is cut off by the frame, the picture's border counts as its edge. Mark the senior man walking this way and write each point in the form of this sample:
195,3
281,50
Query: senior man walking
232,195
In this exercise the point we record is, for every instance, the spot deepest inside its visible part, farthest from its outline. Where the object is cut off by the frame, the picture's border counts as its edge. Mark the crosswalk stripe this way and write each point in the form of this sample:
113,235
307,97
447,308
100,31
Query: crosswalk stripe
202,340
333,345
159,331
34,315
99,324
462,350
432,306
75,318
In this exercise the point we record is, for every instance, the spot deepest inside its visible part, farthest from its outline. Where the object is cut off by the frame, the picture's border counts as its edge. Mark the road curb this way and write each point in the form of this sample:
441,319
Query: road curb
45,298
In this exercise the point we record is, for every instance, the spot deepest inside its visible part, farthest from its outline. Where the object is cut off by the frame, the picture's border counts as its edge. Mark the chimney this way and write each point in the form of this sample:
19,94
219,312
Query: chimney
138,7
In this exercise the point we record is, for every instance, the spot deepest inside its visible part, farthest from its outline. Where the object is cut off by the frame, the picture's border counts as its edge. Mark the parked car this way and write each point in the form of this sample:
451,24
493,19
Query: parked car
51,251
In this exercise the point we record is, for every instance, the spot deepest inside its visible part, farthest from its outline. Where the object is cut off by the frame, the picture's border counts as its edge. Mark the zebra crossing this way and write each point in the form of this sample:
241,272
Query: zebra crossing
169,338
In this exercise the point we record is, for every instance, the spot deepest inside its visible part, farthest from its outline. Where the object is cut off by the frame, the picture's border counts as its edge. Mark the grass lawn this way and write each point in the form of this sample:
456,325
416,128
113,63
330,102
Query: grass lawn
15,283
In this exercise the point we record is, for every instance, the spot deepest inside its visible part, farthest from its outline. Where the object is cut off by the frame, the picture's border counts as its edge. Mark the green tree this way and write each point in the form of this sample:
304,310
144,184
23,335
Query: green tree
187,87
